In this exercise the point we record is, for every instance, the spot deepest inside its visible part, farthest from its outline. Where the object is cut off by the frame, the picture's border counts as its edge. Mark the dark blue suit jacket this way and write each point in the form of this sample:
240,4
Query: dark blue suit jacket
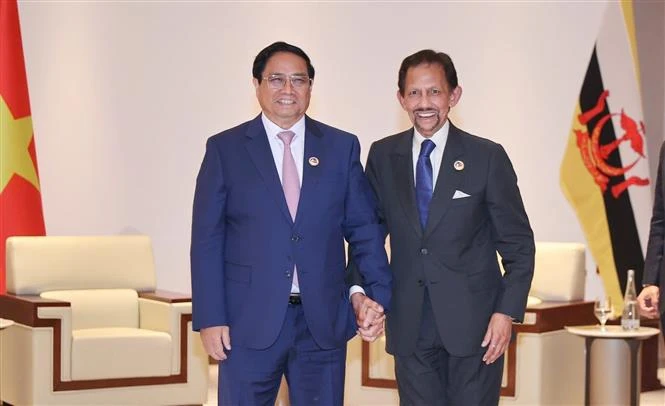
245,245
455,256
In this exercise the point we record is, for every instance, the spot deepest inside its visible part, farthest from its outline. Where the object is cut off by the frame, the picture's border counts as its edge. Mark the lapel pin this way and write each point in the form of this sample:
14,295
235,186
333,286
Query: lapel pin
458,165
313,161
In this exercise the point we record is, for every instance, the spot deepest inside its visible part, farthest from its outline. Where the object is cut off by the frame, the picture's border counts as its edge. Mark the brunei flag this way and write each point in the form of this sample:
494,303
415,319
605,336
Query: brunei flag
20,196
604,173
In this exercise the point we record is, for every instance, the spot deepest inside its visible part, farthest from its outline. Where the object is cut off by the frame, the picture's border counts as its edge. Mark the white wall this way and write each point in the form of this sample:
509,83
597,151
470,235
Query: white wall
124,95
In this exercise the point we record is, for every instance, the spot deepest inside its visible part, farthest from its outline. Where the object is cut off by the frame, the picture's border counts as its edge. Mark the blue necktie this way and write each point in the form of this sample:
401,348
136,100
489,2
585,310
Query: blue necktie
424,180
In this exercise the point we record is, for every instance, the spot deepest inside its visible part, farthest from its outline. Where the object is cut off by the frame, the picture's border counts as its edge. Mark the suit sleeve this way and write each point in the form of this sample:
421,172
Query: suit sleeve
368,263
512,234
354,277
207,246
653,264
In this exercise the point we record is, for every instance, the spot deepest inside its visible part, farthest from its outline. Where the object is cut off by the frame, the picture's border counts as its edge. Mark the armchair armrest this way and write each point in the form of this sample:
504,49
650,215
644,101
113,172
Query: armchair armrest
37,312
23,309
166,296
551,316
171,313
543,318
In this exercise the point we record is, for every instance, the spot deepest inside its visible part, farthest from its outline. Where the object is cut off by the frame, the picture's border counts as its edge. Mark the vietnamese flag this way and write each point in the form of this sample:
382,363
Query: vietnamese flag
20,196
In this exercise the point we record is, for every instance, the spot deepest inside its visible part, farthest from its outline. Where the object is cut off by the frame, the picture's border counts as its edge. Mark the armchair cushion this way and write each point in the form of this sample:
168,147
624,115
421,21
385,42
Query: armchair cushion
97,308
120,352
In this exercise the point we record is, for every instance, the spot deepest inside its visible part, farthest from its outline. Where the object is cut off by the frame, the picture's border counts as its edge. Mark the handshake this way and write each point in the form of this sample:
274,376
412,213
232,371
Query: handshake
370,317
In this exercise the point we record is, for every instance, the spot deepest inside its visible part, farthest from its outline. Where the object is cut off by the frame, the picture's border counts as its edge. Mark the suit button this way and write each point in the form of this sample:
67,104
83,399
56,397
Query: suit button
424,251
420,282
295,238
288,274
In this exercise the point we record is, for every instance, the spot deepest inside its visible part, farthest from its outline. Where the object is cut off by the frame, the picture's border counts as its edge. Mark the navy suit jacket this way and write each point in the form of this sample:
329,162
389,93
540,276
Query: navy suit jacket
245,244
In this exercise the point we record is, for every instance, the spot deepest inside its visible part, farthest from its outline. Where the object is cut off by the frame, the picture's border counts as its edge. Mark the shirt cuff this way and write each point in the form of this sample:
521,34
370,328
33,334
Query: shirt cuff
355,289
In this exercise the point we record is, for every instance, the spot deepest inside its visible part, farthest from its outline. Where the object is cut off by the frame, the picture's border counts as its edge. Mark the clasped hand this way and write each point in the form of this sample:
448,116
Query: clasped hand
370,317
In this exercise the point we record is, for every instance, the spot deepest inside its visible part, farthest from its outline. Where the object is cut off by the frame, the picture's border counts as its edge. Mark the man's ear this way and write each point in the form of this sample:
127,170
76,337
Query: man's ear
257,85
455,95
400,99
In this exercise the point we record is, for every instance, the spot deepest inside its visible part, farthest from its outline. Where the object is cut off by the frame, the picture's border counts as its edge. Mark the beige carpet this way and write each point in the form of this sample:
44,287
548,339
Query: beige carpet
655,398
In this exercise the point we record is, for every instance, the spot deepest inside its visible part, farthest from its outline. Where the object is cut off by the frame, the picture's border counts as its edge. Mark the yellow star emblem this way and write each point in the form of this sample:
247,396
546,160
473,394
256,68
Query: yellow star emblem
15,137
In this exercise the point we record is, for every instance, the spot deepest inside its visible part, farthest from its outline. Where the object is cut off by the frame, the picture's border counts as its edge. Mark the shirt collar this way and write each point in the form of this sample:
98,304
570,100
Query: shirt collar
273,129
439,138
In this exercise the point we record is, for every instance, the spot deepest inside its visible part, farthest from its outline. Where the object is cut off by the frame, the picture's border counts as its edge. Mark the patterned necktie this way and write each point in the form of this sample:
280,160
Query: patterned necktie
424,180
290,181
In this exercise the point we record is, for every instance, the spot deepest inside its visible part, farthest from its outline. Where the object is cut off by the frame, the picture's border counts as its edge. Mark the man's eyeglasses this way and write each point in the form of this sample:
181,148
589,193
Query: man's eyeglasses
278,81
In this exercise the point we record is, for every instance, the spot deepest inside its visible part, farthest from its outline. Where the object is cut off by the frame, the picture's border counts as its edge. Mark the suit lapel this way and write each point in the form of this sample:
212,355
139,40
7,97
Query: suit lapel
259,152
311,173
448,180
402,167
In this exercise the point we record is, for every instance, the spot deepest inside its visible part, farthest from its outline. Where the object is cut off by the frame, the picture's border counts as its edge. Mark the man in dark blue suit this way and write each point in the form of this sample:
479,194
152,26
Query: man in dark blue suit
450,201
275,199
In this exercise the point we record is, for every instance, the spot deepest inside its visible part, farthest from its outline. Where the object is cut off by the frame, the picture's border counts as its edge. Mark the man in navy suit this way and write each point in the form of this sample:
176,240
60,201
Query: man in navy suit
275,199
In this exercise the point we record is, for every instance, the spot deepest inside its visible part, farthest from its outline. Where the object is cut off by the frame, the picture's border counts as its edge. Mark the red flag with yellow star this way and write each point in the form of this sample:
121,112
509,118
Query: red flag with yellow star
20,196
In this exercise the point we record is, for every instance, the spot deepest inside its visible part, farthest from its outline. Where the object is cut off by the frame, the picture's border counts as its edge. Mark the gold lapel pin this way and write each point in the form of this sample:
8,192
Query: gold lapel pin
313,161
458,165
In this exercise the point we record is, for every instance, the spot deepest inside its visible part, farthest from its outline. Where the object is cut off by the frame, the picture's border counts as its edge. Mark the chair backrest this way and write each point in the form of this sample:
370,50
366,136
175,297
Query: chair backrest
559,273
49,263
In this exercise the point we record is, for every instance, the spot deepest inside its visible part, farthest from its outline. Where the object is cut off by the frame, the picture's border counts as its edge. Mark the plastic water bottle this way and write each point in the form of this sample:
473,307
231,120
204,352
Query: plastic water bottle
630,319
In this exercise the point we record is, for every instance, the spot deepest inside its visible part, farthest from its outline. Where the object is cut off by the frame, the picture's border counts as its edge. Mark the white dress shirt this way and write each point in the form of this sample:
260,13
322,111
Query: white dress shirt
439,138
277,146
277,149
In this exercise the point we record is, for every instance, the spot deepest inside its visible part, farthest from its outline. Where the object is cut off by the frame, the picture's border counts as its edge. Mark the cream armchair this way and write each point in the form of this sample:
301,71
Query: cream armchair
91,329
545,364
